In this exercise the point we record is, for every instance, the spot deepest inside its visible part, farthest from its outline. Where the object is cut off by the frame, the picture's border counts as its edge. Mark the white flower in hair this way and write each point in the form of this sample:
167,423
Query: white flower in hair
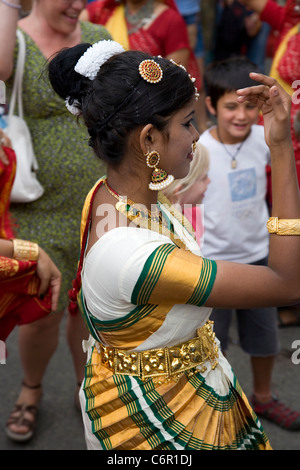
73,108
90,62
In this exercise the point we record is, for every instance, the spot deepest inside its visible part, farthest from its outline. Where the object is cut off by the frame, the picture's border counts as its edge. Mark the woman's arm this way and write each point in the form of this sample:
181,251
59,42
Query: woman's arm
243,286
9,17
47,272
269,11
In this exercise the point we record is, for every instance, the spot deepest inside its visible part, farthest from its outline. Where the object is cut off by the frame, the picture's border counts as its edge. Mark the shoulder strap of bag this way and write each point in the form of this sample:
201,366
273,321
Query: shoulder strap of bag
17,86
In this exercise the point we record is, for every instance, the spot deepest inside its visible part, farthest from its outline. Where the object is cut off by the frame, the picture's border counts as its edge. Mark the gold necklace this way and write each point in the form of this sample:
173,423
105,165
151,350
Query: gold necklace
133,212
138,19
136,209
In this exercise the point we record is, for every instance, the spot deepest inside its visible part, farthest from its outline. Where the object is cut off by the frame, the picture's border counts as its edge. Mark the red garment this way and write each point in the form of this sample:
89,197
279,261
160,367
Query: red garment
7,176
289,71
102,10
19,303
166,34
281,18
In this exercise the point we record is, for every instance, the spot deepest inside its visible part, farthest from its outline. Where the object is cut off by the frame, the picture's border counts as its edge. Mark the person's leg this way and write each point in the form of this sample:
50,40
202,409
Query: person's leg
258,333
191,24
256,50
259,338
37,343
76,333
262,368
289,316
264,402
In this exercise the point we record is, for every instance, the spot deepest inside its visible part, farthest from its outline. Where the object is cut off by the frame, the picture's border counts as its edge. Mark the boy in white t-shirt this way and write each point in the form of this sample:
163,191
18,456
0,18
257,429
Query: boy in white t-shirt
234,223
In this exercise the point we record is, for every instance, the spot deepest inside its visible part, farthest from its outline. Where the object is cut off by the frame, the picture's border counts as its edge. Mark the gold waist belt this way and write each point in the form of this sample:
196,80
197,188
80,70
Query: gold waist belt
169,362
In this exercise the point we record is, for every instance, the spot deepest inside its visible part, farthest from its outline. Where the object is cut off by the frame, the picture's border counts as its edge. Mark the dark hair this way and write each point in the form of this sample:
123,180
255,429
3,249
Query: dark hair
119,99
228,75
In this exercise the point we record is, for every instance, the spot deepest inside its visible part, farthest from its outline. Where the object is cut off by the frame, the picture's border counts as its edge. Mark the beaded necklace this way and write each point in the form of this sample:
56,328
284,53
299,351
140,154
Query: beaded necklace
138,19
151,220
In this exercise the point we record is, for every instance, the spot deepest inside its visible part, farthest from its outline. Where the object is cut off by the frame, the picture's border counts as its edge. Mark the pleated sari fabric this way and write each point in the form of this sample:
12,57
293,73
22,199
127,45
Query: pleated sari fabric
140,291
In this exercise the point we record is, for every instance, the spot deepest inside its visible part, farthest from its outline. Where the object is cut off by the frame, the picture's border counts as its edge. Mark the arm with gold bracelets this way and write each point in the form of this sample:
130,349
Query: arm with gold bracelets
245,286
48,273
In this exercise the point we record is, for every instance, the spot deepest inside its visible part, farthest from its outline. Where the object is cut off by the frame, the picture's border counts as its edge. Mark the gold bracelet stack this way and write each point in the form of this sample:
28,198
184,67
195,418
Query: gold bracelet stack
25,250
283,226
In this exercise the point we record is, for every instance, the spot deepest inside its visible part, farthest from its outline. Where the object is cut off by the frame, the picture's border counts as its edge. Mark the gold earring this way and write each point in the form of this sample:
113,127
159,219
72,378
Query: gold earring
194,146
159,178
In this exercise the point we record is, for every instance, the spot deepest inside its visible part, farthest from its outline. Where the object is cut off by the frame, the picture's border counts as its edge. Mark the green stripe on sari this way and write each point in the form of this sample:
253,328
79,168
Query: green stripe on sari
150,274
205,284
94,324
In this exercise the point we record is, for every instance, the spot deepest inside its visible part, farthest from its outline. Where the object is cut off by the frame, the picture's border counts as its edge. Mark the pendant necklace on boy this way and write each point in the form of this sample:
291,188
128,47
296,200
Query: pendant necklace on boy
233,157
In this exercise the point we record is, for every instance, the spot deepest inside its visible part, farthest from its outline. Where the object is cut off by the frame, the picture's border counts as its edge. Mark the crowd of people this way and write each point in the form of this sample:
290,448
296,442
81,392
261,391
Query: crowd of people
124,102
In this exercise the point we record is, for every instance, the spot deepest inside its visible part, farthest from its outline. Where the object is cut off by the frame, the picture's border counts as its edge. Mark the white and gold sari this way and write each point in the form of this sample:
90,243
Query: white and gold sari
143,300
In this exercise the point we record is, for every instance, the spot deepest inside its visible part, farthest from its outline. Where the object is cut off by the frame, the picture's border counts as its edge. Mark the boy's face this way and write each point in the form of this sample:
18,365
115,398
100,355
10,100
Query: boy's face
235,119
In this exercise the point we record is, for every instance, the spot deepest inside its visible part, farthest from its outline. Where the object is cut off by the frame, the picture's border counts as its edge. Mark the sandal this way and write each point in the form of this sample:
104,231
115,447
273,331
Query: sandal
19,417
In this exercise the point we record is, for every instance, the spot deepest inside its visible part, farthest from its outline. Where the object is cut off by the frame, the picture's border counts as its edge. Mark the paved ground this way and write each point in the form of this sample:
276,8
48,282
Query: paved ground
60,427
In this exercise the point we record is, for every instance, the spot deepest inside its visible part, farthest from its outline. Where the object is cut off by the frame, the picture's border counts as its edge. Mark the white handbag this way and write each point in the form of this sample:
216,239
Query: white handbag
26,187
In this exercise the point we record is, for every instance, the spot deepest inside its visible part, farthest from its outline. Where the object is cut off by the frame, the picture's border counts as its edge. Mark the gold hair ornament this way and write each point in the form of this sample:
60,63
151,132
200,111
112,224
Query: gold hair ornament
150,71
159,178
190,77
283,226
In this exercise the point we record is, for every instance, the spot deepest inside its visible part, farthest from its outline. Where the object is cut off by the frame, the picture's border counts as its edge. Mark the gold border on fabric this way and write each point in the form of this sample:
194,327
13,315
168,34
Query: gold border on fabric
137,333
191,412
171,286
8,267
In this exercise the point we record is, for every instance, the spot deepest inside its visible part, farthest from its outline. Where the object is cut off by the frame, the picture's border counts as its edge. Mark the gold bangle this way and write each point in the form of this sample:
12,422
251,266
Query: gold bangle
25,250
283,226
